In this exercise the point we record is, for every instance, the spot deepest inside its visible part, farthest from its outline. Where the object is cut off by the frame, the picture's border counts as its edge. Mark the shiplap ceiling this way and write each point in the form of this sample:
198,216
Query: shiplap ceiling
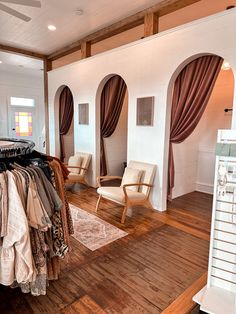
20,64
35,36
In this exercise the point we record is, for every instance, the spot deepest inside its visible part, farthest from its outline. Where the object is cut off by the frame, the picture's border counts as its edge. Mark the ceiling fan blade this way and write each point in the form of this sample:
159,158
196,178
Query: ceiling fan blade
31,3
14,13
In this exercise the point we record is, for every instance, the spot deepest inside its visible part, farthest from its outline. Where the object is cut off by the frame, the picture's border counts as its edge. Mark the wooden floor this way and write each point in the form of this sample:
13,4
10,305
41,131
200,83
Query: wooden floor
155,267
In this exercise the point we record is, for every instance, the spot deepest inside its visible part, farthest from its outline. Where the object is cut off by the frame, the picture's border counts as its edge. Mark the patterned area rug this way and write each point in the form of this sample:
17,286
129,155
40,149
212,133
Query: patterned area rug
92,231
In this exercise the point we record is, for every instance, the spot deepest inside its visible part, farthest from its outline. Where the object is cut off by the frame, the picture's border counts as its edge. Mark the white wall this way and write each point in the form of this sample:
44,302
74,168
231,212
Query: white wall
148,67
20,85
214,118
116,144
195,157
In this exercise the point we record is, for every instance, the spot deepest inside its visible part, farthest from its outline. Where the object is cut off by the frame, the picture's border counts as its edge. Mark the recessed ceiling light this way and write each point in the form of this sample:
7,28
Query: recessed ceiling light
0,61
79,12
52,27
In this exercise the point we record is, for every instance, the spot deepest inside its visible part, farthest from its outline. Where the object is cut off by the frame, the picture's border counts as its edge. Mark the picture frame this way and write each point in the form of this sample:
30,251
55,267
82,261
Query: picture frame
145,111
83,110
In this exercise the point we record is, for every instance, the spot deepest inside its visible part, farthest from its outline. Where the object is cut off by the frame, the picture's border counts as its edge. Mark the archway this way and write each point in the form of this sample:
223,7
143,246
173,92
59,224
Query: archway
115,144
195,157
64,123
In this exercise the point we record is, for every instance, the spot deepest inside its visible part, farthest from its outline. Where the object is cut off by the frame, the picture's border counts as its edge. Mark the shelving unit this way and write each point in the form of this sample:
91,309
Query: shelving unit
219,296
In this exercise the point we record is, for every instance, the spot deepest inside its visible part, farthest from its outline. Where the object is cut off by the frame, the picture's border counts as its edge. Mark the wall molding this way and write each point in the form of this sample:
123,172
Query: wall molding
204,187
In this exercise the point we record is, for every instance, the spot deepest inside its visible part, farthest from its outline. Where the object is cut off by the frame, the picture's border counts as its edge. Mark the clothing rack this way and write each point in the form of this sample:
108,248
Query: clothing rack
10,147
35,220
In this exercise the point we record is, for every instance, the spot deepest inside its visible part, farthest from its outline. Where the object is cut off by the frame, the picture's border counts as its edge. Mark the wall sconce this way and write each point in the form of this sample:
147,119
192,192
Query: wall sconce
228,109
225,66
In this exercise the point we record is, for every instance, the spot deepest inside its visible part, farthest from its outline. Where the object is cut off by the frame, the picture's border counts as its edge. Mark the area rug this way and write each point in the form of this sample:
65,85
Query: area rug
92,231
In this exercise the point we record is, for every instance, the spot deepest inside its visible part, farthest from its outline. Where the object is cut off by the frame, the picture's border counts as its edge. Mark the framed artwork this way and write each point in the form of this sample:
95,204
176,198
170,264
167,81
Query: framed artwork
145,111
84,113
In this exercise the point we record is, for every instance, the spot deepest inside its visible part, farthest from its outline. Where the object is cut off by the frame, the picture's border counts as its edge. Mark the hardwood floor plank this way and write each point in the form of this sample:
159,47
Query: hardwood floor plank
172,222
159,263
143,304
84,305
184,303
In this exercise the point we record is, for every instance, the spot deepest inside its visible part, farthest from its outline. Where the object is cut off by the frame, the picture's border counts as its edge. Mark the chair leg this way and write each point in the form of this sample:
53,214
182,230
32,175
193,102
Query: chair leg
85,182
98,203
124,213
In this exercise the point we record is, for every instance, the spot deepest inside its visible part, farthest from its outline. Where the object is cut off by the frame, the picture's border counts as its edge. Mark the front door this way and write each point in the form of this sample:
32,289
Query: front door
22,124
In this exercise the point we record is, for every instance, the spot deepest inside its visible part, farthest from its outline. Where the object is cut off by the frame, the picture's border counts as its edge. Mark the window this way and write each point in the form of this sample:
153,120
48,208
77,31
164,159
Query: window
22,102
23,123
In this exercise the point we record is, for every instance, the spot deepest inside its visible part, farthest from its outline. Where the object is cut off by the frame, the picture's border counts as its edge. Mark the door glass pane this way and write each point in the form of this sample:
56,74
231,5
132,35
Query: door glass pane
23,123
25,102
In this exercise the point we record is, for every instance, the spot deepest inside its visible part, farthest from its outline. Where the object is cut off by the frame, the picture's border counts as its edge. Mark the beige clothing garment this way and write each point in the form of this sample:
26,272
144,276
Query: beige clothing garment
40,190
39,283
23,180
36,213
3,204
19,186
16,262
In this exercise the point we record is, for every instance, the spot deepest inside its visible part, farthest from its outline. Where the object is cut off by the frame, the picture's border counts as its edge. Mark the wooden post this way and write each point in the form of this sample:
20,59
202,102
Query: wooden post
85,49
151,21
47,66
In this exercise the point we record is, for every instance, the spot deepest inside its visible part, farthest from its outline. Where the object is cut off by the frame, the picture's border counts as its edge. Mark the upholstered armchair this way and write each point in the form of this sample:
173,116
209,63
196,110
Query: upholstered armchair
135,187
78,166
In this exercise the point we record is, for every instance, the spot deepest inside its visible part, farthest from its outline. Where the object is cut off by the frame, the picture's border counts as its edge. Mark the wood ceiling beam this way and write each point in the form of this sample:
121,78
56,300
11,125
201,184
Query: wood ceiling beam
85,49
23,52
47,66
151,24
160,9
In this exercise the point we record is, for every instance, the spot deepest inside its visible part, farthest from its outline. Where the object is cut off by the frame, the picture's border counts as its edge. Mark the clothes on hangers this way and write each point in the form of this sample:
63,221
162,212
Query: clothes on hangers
35,223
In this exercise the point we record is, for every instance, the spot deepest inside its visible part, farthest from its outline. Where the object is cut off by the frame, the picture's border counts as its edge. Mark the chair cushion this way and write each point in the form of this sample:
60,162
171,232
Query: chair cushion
131,175
75,161
115,193
148,173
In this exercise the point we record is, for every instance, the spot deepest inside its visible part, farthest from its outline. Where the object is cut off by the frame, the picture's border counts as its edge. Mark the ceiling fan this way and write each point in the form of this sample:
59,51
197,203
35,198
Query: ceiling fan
29,3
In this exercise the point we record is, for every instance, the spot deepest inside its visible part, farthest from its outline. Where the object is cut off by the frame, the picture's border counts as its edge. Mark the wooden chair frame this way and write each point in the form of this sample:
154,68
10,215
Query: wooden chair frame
82,180
128,203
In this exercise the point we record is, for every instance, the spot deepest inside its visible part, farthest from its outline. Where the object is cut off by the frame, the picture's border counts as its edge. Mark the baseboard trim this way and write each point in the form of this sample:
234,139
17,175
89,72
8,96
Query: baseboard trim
205,187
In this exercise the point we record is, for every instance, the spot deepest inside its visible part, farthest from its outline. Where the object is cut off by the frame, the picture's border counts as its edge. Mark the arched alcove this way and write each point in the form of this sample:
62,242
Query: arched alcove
195,157
115,146
69,136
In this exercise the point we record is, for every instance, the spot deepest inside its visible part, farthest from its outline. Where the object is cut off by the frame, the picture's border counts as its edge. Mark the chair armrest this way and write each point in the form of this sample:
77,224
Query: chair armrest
138,184
78,167
135,184
101,179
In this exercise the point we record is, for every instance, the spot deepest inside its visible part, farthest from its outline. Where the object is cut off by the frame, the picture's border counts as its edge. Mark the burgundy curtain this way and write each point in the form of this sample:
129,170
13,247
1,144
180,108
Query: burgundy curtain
66,113
192,90
112,99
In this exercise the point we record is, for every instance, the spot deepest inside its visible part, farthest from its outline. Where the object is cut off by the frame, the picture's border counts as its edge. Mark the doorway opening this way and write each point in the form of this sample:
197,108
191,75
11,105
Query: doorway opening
112,124
194,158
64,123
22,111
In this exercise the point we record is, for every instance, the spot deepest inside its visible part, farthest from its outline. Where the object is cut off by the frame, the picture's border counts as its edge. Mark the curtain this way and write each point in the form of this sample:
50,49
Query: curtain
66,113
112,99
192,90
